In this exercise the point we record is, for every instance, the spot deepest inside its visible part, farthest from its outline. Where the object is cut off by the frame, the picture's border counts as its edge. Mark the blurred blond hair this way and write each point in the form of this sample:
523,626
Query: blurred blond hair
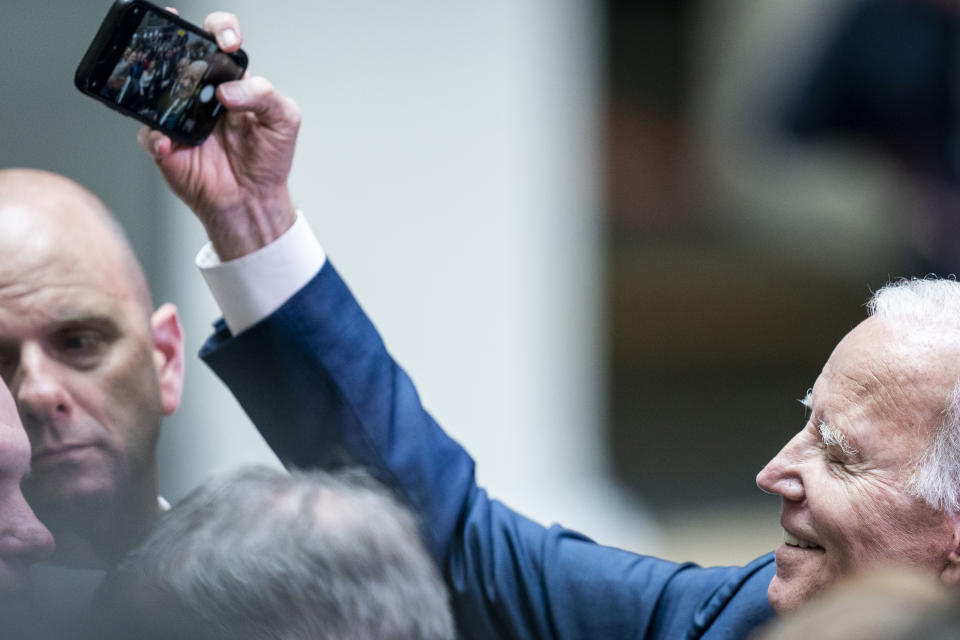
888,603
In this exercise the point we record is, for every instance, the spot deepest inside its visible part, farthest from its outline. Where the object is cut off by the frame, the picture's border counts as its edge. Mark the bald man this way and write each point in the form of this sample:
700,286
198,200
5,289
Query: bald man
92,366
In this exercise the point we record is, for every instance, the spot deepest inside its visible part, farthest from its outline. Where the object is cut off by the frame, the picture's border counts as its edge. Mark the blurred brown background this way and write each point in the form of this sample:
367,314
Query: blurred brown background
768,164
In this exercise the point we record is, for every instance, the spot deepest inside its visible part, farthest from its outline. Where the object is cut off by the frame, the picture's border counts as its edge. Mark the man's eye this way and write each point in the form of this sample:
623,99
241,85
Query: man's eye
79,342
81,348
837,459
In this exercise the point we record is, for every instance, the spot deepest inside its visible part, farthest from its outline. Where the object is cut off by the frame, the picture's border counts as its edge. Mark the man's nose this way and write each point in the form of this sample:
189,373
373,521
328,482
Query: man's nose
36,387
782,475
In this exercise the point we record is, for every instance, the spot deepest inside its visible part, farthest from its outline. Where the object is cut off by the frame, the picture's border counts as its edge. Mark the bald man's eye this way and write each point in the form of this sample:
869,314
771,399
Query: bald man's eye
81,348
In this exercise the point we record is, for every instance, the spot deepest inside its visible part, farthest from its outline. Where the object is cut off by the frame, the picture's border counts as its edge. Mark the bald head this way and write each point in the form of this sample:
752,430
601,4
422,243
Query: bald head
35,186
42,212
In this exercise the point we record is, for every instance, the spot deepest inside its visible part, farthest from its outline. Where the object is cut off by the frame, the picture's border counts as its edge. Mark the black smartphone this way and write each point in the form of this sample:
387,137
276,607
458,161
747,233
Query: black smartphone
153,65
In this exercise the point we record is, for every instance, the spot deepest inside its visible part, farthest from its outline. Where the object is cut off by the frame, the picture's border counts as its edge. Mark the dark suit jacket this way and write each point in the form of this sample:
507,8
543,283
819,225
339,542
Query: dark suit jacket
318,382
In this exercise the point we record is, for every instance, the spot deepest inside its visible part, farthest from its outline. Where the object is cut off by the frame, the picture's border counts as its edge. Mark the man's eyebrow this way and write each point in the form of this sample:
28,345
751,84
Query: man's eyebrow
833,437
830,436
92,320
82,317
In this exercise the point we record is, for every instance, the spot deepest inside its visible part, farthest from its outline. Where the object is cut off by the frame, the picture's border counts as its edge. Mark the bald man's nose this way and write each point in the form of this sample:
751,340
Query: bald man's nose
37,387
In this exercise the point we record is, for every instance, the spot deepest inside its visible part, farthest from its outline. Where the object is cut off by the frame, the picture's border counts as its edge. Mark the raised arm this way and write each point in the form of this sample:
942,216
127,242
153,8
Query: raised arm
318,382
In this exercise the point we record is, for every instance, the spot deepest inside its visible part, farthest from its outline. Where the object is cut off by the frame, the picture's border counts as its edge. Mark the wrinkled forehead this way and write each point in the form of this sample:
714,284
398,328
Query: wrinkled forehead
903,372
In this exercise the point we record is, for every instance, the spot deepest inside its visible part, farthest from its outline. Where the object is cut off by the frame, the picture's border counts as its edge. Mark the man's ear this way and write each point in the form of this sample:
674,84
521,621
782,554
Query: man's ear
168,355
951,572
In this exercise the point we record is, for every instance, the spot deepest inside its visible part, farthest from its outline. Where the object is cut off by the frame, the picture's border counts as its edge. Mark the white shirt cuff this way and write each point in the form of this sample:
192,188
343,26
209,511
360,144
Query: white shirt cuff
250,288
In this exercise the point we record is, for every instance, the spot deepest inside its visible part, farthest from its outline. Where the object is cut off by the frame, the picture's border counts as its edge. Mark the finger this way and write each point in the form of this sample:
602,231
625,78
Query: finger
172,10
154,142
226,29
258,96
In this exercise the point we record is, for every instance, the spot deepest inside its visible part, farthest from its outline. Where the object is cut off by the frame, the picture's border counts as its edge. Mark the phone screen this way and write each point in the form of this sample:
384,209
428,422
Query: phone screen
166,75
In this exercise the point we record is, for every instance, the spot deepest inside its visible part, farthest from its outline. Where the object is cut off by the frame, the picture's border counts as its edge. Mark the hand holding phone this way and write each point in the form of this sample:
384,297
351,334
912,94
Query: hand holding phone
236,181
154,66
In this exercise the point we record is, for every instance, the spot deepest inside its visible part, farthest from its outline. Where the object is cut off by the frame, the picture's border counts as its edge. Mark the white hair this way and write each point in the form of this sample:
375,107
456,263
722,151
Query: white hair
934,304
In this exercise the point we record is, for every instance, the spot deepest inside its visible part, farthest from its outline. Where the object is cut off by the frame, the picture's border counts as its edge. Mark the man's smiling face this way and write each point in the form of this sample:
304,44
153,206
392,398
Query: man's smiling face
843,478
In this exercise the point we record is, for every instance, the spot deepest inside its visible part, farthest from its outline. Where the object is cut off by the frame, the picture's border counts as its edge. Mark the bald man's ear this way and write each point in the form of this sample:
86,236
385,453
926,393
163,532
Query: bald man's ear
168,355
951,572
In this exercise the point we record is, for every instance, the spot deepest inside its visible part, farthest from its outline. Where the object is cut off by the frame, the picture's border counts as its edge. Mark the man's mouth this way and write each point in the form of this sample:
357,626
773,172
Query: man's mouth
794,541
57,453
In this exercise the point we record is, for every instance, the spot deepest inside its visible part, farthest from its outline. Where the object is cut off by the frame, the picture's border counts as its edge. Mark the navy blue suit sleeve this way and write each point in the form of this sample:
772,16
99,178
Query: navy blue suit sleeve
319,384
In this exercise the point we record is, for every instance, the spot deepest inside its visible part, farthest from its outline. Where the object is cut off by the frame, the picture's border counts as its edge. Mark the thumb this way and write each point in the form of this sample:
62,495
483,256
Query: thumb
258,96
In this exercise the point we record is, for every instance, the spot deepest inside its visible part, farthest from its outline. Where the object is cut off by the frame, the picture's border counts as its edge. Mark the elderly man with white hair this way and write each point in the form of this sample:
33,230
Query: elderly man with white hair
871,478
